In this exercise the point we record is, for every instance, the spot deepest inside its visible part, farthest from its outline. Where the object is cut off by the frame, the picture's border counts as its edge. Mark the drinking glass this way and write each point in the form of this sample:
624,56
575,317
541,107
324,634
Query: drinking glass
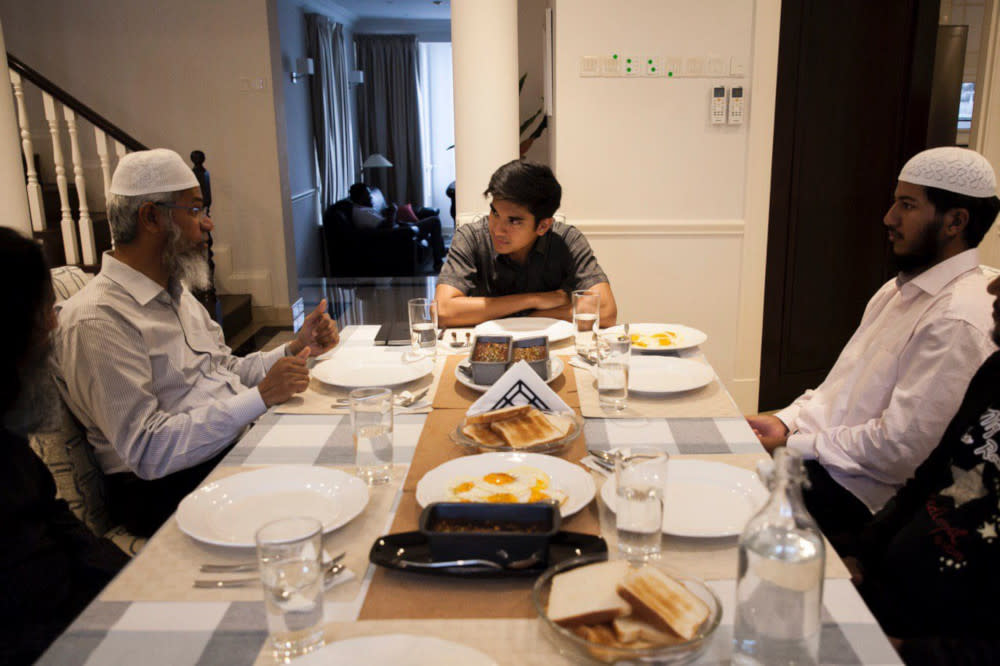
371,424
613,355
586,316
640,483
423,327
289,554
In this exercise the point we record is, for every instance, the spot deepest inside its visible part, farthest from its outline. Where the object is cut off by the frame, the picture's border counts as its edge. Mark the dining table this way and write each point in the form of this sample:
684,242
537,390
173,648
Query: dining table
151,614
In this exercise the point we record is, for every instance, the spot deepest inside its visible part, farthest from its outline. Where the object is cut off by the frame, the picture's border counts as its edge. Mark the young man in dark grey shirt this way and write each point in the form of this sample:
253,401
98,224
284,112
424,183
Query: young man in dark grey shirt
519,260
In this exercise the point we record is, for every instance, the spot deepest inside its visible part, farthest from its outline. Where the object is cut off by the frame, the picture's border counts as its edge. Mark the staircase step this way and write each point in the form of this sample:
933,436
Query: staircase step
237,313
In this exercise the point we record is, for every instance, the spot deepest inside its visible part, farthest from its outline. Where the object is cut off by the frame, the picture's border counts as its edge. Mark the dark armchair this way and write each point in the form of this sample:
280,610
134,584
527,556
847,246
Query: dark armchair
396,250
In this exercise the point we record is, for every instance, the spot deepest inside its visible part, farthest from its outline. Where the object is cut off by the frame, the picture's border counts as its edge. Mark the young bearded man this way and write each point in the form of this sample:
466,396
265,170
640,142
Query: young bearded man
519,260
886,401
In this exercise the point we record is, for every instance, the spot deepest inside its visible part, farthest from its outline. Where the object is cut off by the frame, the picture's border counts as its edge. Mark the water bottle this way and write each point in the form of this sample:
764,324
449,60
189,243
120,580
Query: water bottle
779,587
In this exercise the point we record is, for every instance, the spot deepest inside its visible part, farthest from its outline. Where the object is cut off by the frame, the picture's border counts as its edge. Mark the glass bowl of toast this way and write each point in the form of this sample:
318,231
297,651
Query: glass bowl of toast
522,428
600,611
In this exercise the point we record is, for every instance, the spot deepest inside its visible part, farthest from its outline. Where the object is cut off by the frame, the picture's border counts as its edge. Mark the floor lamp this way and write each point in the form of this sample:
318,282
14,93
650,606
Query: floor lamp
375,161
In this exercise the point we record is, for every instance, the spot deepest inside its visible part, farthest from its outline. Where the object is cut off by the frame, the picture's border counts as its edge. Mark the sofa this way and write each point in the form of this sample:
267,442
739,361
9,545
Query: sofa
396,249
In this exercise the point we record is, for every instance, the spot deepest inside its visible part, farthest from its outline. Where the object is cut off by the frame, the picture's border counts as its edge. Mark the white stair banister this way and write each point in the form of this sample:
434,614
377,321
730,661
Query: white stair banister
66,217
87,244
102,154
35,206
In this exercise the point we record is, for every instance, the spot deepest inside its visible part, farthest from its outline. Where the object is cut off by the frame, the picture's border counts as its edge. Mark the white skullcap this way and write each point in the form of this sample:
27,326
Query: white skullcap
958,170
151,171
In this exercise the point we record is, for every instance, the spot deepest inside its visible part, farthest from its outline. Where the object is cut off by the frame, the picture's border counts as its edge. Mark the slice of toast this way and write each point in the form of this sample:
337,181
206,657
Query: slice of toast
663,602
527,430
587,595
483,434
498,415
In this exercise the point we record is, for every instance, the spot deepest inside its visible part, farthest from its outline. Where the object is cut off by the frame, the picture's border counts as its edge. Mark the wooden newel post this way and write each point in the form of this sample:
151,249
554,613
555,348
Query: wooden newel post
208,298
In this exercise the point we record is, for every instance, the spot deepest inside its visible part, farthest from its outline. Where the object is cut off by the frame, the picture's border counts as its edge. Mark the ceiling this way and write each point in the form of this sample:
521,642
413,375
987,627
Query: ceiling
408,9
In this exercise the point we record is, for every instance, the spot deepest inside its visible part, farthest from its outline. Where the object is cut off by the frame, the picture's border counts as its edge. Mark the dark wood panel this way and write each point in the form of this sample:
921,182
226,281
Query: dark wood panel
853,83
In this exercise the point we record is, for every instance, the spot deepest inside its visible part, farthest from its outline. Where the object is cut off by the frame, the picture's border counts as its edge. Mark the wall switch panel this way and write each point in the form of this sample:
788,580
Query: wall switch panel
631,65
737,105
715,66
737,67
717,109
674,66
590,66
611,65
653,66
694,66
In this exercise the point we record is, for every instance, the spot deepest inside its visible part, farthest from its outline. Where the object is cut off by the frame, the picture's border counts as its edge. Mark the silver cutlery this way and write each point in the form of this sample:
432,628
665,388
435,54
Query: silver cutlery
402,399
243,567
332,571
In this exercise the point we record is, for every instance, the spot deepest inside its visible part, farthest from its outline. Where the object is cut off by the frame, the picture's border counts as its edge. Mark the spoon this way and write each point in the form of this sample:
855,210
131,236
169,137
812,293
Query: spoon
331,571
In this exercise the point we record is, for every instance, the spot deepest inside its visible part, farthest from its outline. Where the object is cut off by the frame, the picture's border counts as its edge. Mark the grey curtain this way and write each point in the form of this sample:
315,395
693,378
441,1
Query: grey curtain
331,111
388,114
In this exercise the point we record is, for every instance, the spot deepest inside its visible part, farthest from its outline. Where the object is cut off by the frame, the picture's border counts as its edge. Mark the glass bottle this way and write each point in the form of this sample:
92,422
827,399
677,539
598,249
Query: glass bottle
779,586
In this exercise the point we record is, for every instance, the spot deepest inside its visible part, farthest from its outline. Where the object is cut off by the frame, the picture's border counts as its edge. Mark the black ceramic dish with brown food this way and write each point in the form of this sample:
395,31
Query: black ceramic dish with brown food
525,537
535,351
490,357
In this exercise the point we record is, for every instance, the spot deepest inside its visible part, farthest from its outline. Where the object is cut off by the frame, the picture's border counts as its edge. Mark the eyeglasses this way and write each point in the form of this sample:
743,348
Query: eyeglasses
197,212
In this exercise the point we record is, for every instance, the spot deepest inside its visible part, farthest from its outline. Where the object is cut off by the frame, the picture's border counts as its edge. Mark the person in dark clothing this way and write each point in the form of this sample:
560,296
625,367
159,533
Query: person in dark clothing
51,565
370,211
926,564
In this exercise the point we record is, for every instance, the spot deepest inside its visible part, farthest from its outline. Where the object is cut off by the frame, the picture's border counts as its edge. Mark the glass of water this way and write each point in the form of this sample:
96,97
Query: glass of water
640,483
289,553
613,355
586,317
423,327
371,423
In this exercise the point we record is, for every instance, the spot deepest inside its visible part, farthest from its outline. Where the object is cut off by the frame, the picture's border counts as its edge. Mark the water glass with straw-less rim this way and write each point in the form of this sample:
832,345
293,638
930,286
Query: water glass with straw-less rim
371,426
640,485
586,319
613,358
423,327
289,555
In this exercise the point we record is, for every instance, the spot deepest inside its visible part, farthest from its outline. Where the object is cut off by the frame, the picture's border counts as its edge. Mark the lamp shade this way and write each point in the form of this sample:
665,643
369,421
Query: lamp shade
376,160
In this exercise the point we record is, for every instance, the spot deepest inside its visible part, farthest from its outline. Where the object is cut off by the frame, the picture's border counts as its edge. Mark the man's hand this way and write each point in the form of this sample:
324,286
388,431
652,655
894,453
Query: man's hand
770,430
287,377
318,333
548,300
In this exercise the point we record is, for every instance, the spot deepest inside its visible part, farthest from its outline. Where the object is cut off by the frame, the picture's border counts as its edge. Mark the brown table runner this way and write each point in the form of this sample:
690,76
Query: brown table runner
396,595
452,394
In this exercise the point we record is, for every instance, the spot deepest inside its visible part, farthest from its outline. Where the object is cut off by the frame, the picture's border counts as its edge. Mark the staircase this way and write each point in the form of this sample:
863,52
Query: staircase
63,218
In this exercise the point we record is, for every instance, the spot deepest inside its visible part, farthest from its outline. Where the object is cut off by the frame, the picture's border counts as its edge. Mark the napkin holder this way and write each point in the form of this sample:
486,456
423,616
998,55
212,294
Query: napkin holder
520,385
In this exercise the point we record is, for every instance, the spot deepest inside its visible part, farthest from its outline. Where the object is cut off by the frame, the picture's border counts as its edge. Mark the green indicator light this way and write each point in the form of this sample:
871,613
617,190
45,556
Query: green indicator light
650,61
628,69
653,69
670,73
615,56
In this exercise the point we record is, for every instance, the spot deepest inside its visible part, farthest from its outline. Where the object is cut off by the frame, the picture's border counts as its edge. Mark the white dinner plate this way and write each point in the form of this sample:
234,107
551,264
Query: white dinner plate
704,499
395,650
687,337
357,371
229,511
667,374
571,479
556,367
527,327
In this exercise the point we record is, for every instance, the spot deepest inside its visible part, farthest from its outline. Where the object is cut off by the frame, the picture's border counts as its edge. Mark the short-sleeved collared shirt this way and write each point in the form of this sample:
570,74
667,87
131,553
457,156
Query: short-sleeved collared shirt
561,259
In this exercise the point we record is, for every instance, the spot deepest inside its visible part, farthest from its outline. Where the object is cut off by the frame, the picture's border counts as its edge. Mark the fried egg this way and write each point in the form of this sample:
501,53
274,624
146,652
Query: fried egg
517,485
654,340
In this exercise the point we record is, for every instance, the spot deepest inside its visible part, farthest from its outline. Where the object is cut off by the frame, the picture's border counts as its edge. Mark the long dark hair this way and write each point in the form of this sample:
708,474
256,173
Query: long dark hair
27,286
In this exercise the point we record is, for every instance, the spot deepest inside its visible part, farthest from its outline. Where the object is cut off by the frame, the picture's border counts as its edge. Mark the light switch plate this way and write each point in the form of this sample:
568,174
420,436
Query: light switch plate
611,65
694,66
590,66
631,65
673,66
653,66
737,67
715,65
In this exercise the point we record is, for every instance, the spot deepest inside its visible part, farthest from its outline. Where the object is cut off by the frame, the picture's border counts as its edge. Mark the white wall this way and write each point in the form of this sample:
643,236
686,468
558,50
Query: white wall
662,195
179,75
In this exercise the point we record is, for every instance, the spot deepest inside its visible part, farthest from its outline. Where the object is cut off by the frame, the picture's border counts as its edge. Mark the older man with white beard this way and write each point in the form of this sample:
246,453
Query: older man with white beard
141,363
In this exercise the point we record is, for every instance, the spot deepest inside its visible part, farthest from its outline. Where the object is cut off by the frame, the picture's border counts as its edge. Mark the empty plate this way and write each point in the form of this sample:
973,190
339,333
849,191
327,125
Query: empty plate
378,369
667,374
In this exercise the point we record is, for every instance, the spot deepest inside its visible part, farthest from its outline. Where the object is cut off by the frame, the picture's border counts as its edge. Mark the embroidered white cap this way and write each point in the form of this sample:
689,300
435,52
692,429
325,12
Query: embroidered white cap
152,171
954,169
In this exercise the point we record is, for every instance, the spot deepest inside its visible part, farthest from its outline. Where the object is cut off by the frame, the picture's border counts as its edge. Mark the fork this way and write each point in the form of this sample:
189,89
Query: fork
244,567
329,573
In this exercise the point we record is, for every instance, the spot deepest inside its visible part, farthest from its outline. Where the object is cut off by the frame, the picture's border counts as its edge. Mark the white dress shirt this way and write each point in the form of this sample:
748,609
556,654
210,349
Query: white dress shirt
147,373
898,381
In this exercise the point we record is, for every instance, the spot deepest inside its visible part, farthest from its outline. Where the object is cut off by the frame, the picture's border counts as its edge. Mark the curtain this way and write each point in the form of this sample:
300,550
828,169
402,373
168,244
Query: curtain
331,112
388,114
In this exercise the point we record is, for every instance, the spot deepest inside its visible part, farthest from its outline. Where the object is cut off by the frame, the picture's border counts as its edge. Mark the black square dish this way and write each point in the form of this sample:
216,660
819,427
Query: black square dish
502,533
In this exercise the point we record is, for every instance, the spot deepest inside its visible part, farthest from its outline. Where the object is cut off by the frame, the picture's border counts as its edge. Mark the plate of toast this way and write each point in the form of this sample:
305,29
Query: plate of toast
521,428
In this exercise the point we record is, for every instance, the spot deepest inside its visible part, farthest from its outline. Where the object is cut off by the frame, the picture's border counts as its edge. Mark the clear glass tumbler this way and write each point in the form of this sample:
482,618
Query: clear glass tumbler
289,554
586,319
423,327
640,484
371,424
613,356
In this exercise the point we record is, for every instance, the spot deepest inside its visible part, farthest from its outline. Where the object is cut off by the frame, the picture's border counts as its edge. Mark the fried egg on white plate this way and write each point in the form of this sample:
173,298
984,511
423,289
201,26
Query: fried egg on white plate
519,485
